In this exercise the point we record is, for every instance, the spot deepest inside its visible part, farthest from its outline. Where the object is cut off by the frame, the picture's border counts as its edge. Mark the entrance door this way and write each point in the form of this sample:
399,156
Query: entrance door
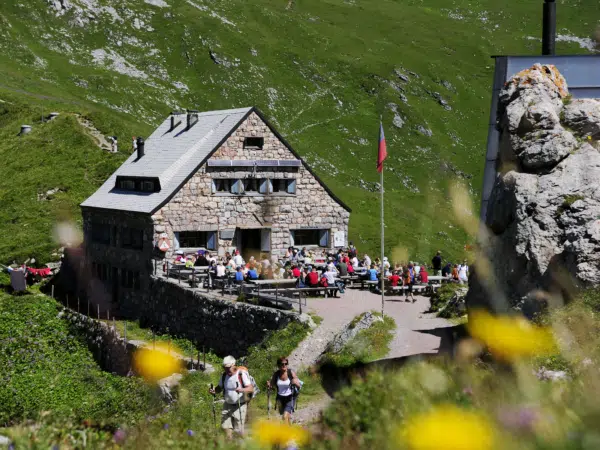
255,242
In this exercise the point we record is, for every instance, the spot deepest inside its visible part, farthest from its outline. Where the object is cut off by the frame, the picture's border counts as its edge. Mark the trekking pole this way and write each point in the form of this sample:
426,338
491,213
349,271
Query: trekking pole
237,385
213,407
269,402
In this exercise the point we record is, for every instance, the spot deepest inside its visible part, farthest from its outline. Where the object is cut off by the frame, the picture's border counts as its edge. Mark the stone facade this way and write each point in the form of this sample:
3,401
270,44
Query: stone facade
196,208
113,270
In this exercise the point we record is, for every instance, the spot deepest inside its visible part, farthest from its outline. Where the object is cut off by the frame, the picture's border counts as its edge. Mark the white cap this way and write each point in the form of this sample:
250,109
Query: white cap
228,361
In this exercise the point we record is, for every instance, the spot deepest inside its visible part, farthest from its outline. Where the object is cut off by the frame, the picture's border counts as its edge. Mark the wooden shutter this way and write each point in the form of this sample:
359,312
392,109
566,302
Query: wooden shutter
323,238
264,186
265,240
176,240
292,237
211,240
214,186
291,186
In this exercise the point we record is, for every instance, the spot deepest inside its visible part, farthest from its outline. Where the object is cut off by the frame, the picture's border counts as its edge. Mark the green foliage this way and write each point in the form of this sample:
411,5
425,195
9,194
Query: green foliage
591,298
368,345
46,368
567,202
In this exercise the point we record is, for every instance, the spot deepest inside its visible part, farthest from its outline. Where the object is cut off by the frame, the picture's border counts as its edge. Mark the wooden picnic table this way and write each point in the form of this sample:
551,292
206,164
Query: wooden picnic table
273,282
438,278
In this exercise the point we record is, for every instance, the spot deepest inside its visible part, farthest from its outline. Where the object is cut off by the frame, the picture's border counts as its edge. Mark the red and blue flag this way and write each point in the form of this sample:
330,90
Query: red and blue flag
382,152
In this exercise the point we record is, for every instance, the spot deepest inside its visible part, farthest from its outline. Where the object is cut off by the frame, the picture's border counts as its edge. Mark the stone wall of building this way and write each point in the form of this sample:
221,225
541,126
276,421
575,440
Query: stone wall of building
221,325
196,208
108,290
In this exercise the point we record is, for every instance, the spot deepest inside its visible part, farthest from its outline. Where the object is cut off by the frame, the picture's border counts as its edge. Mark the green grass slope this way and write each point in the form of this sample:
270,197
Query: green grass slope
323,71
46,369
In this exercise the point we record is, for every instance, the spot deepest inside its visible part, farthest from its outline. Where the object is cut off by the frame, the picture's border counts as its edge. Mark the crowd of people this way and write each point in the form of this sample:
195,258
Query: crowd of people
323,269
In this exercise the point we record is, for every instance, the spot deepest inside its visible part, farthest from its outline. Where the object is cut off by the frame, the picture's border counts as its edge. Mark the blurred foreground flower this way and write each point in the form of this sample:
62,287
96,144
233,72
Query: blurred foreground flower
269,434
450,428
510,338
154,364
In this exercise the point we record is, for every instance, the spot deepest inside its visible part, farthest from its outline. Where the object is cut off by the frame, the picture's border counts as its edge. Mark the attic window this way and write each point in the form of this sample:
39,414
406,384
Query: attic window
138,184
254,143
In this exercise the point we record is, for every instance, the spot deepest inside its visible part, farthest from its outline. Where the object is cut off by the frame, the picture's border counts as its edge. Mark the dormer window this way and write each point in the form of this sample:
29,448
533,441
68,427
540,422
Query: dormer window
254,143
137,184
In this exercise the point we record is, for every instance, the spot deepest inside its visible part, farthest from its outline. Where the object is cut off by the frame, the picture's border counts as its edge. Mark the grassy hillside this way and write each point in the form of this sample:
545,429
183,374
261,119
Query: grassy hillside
323,71
48,370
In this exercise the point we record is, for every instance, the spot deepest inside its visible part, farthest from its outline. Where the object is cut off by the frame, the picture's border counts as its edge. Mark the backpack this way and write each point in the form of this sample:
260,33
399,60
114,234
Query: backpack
323,282
247,397
295,389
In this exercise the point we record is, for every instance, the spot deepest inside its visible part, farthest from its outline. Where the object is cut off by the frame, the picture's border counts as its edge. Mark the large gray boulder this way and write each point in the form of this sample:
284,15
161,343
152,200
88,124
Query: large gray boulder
543,218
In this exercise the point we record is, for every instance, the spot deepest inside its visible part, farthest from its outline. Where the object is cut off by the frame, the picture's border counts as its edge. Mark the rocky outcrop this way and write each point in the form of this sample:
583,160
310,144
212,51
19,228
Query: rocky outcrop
367,320
544,210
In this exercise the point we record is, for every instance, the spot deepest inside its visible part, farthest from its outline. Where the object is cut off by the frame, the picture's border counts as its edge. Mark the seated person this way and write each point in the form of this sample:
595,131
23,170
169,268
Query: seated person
343,269
252,273
447,270
189,262
179,257
312,278
394,278
295,271
424,275
220,272
239,276
372,273
201,261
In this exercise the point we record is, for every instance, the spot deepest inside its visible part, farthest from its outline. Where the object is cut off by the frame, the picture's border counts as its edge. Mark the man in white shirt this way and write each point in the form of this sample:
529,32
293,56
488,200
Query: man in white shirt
237,259
354,262
367,261
234,384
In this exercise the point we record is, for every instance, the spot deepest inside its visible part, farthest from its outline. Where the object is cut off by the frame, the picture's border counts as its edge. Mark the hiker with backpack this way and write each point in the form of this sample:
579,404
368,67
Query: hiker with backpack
288,385
238,389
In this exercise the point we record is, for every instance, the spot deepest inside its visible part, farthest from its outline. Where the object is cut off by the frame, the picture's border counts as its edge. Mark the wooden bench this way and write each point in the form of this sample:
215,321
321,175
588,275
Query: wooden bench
329,290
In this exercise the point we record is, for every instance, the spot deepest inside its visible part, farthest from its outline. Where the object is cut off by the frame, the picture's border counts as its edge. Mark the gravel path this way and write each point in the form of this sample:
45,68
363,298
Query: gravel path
410,319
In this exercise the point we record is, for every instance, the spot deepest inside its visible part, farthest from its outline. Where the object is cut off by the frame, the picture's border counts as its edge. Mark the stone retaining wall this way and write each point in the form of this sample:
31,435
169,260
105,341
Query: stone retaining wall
223,326
111,352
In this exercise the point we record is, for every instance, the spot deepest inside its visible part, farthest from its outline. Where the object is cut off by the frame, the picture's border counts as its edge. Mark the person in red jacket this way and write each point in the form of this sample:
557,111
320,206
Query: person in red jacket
394,278
295,272
424,274
312,278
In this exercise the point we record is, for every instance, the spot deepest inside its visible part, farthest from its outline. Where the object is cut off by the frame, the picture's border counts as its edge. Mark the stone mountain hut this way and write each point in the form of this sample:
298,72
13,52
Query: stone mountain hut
216,181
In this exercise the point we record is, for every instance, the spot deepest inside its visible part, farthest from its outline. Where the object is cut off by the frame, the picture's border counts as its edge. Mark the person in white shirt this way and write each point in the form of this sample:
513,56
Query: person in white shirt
284,379
354,262
367,260
417,268
220,270
237,259
330,275
462,274
234,383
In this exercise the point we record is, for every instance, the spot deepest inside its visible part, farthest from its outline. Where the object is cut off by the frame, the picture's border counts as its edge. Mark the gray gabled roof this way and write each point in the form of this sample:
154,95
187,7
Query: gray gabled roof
174,156
170,156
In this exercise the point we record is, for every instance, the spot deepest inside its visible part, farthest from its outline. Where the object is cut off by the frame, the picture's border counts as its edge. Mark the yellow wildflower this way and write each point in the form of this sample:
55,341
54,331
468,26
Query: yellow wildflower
269,434
154,364
450,428
511,337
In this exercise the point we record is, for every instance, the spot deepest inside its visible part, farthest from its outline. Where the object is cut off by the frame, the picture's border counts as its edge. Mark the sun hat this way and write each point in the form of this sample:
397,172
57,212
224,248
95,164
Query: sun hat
179,252
228,361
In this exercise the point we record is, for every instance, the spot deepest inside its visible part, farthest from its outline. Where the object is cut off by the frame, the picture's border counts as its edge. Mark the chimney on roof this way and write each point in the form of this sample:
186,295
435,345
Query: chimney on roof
140,147
192,118
174,121
549,28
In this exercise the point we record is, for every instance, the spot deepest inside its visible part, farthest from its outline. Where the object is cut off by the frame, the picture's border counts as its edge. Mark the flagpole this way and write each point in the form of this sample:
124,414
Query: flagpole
382,248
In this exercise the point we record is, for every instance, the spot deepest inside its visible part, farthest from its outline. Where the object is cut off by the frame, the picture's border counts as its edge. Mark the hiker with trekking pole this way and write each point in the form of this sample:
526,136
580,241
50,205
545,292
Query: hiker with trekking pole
238,389
288,386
